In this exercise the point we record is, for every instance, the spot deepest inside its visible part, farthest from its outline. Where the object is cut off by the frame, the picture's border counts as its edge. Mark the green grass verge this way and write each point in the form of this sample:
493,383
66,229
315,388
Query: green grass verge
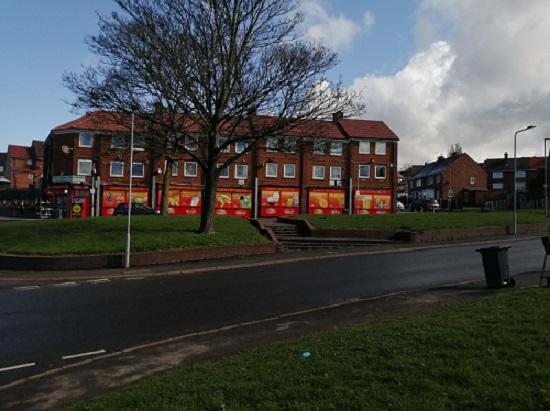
486,354
425,221
108,235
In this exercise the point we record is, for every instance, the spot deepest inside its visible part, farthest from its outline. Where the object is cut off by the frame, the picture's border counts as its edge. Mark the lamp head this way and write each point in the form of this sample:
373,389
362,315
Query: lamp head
529,127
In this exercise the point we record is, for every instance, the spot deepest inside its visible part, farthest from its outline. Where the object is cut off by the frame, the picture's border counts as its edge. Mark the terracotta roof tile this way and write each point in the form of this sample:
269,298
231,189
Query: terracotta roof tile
368,129
19,152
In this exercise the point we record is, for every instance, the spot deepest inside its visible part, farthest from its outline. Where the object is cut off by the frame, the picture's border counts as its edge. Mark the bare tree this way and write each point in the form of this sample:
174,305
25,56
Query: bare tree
204,74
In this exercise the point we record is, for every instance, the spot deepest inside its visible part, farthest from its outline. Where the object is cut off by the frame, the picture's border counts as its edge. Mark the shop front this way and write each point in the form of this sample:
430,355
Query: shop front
111,196
326,201
372,202
70,201
234,202
279,202
182,200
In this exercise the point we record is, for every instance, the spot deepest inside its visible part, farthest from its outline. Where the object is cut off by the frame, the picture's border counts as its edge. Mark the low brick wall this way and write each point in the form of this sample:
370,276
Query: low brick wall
460,234
19,262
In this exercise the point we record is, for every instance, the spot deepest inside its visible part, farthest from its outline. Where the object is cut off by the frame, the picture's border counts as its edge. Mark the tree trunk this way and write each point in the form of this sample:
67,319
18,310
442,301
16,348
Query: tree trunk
167,176
209,201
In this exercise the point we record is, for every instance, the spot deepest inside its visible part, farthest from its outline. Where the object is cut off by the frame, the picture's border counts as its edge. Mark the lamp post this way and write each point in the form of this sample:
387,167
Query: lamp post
515,179
127,254
546,178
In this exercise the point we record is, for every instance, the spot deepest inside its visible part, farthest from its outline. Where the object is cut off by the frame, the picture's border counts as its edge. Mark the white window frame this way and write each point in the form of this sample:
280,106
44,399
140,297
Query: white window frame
142,170
226,173
430,181
377,148
521,174
367,167
287,175
290,144
271,144
111,174
331,173
80,144
271,165
175,168
498,186
83,161
242,167
472,181
376,168
362,149
29,161
319,147
118,145
239,149
223,140
186,173
313,172
191,143
498,175
333,151
1,169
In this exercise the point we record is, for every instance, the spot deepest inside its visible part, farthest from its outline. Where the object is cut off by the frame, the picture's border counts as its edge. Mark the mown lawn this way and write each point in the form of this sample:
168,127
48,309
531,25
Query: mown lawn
486,354
425,221
108,235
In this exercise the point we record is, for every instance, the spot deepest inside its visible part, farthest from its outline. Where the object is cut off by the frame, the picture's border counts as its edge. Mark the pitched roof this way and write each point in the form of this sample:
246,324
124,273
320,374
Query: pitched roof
19,152
38,149
367,129
523,163
436,167
102,121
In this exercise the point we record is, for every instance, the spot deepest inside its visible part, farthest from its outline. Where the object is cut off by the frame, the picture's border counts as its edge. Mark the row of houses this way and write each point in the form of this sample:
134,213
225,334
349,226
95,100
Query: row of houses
350,167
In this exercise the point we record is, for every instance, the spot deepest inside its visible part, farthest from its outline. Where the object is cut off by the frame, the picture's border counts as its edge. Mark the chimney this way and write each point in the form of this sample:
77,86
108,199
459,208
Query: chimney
339,115
440,158
506,156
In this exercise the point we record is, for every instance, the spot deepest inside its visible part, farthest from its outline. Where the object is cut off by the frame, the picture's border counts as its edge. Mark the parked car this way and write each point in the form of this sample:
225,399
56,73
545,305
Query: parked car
425,205
137,208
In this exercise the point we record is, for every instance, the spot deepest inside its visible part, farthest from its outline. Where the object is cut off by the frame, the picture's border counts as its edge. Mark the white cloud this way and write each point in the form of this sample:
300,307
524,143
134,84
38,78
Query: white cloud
482,71
368,20
336,32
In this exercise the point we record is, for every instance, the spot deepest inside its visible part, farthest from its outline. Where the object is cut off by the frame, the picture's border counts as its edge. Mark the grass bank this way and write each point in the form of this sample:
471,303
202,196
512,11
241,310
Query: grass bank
490,354
425,221
108,235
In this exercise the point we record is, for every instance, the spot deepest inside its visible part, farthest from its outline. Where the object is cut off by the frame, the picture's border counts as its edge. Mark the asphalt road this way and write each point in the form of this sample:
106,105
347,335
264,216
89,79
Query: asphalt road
39,326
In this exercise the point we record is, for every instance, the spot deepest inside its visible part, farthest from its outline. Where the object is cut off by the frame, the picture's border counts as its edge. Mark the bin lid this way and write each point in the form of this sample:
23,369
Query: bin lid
493,248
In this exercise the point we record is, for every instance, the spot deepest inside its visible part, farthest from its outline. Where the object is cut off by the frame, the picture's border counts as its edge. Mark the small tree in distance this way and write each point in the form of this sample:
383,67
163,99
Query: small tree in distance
201,75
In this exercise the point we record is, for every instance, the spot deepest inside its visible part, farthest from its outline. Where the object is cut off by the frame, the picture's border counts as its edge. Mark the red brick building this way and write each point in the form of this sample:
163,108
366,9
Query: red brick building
352,166
455,179
24,166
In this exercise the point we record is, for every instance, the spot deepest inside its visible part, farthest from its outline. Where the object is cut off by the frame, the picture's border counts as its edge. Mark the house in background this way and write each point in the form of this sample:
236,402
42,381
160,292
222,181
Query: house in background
455,181
24,166
529,183
4,182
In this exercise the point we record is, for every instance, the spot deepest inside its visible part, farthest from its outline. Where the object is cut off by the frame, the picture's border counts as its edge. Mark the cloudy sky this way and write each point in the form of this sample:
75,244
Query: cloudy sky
437,72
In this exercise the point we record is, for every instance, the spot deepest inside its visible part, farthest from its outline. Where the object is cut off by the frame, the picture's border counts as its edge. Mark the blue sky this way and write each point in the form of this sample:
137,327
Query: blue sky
437,72
40,40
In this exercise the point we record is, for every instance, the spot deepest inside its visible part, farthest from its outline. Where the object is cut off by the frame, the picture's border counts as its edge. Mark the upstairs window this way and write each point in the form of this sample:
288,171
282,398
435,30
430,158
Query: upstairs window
290,171
138,170
241,171
85,140
364,147
430,181
118,142
336,148
472,181
84,168
380,148
318,172
364,171
498,174
290,145
272,144
240,146
335,173
270,170
191,143
319,147
116,169
380,172
521,174
222,141
224,171
175,168
190,169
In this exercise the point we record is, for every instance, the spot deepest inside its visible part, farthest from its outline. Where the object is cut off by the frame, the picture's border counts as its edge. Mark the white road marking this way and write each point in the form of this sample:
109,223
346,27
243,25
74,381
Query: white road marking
134,278
16,367
27,288
66,284
84,354
99,280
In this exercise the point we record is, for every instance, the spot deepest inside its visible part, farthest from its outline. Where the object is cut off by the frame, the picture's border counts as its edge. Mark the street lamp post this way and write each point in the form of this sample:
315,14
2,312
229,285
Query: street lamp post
546,178
515,178
127,254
